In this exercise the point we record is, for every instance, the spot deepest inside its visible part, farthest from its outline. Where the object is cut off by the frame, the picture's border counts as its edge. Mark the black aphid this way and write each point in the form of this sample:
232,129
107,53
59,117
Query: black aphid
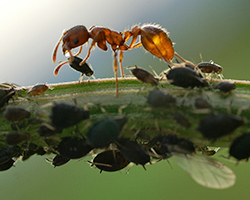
14,113
6,95
133,151
7,153
7,165
85,69
144,76
73,147
46,130
58,160
240,148
65,115
158,98
14,138
185,77
224,86
104,131
217,125
201,103
110,161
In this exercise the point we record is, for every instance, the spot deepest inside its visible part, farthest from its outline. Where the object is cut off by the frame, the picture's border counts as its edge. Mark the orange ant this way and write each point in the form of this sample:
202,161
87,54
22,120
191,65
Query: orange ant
153,38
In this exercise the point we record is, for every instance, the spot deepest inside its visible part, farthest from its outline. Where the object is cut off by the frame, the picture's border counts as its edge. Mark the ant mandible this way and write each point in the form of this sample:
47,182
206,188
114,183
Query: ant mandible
153,38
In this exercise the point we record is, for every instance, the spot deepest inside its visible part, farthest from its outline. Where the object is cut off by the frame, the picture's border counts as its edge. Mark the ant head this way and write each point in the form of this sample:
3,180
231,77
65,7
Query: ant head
75,37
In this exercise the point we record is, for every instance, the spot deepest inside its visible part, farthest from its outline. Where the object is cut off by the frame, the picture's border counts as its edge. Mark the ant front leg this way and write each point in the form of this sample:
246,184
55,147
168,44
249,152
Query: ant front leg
101,42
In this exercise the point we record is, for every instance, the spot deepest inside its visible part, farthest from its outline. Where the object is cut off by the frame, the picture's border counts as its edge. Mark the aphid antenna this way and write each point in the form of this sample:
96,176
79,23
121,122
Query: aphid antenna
102,164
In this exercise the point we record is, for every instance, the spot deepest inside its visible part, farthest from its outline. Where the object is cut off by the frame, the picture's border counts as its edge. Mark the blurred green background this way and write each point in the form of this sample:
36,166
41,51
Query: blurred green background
219,30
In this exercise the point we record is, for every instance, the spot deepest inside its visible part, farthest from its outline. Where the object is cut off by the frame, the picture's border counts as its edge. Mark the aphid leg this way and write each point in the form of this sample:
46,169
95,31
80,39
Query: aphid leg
81,78
184,98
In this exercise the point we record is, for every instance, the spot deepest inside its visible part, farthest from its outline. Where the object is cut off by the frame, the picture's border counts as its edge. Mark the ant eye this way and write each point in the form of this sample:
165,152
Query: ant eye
76,41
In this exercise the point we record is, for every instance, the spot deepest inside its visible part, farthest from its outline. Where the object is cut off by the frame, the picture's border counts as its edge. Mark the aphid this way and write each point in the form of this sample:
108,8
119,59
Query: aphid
46,130
14,138
58,160
29,150
158,98
85,69
201,103
7,153
65,115
7,165
110,161
185,77
144,76
41,151
210,67
170,144
182,120
73,147
103,132
240,147
217,125
224,86
205,170
6,95
14,113
37,89
133,151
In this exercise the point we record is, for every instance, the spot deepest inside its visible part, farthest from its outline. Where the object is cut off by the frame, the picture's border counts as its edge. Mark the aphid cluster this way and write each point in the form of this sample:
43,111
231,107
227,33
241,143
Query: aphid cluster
70,132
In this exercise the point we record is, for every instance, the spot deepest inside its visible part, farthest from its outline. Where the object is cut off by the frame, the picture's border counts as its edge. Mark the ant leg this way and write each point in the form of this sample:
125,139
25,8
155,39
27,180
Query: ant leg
135,32
80,51
101,42
183,60
120,61
115,70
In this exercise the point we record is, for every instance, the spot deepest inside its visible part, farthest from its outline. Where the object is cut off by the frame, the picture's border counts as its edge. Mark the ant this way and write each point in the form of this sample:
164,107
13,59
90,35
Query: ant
153,38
